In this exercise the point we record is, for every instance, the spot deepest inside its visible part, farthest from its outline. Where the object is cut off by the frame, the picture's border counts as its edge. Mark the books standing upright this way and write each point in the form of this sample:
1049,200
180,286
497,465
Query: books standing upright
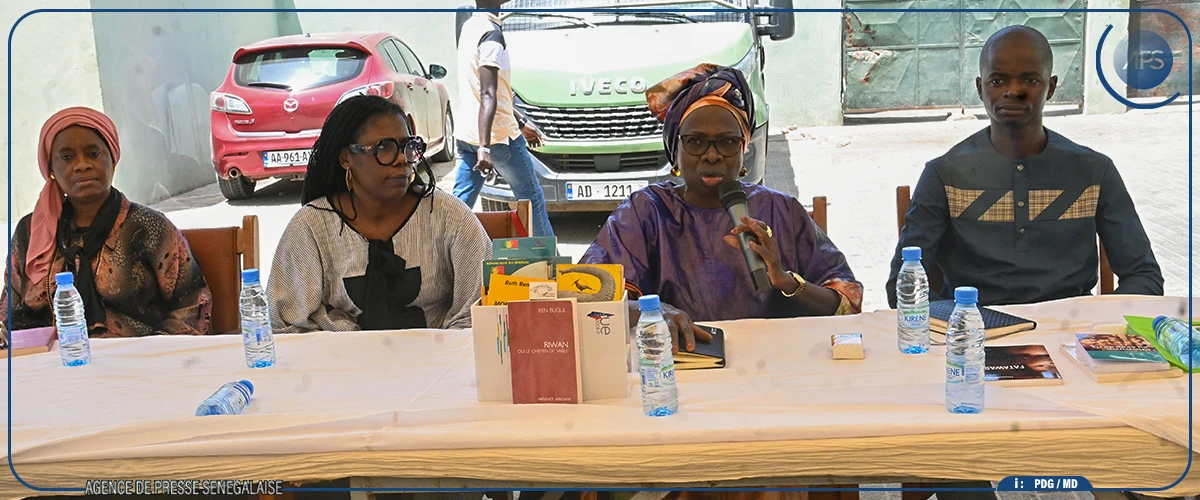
544,350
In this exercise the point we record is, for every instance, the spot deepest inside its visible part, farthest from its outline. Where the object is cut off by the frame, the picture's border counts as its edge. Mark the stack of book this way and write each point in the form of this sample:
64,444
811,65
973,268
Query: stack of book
1111,357
517,264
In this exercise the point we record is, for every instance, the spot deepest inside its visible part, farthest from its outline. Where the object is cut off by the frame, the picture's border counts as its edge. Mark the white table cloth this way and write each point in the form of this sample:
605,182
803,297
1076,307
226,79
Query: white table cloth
403,405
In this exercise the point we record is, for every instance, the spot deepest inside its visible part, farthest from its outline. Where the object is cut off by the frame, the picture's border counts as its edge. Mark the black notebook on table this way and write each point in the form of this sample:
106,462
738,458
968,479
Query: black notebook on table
707,354
997,324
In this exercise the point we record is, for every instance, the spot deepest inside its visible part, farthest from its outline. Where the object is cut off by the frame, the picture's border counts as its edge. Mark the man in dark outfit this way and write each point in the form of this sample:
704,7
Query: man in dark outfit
1014,209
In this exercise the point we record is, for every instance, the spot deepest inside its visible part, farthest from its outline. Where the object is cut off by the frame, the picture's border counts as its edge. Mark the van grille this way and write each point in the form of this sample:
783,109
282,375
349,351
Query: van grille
612,122
646,161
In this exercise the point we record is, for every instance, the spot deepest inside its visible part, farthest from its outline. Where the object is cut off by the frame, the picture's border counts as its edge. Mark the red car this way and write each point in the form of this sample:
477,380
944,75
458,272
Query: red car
270,109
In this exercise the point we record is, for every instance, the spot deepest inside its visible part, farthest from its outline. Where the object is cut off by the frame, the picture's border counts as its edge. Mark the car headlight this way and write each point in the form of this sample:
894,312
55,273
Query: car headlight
748,64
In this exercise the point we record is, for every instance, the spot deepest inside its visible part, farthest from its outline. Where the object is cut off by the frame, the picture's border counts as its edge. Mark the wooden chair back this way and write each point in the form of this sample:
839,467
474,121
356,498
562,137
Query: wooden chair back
222,253
508,224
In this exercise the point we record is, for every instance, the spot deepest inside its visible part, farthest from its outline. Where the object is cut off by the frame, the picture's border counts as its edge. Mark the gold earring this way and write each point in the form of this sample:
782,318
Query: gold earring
349,186
675,171
51,176
745,172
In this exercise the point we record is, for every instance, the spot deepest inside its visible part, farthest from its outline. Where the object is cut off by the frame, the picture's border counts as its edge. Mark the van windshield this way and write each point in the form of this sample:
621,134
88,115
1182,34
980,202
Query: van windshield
298,68
670,13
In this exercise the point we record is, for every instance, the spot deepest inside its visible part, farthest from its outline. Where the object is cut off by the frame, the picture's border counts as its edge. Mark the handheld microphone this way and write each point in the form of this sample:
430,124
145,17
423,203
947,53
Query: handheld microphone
734,199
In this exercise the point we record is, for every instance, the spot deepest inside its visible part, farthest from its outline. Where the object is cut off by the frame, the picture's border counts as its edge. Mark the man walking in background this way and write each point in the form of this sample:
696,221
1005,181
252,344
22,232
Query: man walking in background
491,138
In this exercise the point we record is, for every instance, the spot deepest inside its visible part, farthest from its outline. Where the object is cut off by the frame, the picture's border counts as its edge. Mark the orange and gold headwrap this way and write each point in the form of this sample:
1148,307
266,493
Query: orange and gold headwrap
675,98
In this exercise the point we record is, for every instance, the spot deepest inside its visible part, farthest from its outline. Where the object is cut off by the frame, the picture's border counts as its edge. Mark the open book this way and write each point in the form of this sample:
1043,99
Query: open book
997,324
707,354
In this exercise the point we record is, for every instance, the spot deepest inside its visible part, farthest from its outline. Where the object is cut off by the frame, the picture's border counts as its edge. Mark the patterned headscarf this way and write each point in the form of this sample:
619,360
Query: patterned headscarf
49,208
675,98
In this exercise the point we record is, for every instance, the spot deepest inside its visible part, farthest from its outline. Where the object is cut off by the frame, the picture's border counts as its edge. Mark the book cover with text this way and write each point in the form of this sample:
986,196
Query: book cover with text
544,351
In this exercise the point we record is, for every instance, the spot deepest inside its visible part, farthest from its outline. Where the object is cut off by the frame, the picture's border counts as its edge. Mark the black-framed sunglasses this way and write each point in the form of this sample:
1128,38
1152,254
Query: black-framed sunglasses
387,150
727,146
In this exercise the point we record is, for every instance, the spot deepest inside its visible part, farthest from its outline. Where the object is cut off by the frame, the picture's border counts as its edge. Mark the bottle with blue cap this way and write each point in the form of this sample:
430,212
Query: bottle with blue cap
257,336
230,399
69,320
1174,334
656,364
964,353
912,304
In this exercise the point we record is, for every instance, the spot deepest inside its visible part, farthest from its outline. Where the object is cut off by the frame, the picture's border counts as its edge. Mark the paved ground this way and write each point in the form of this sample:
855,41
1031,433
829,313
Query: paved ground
857,168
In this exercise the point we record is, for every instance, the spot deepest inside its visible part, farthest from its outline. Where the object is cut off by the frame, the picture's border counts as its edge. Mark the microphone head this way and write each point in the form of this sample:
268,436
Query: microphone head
731,192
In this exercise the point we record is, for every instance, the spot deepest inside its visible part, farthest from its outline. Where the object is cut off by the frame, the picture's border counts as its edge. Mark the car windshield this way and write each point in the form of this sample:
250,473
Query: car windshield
298,68
670,13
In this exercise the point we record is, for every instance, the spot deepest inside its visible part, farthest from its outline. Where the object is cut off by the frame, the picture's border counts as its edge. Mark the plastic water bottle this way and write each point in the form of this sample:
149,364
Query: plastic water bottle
655,361
257,336
912,304
230,399
1174,334
964,354
73,344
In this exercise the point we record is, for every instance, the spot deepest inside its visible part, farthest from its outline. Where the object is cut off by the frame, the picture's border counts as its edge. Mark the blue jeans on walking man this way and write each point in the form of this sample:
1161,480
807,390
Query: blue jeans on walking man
514,162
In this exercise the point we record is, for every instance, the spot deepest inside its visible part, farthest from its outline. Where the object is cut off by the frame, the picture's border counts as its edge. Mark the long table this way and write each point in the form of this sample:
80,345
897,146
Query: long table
402,405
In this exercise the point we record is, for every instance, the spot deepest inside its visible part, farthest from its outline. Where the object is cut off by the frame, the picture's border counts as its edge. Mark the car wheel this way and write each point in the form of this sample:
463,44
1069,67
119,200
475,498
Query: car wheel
236,188
494,206
448,151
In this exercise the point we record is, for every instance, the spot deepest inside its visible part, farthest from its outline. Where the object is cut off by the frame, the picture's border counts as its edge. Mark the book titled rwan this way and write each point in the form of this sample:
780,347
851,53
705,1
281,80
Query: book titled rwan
544,348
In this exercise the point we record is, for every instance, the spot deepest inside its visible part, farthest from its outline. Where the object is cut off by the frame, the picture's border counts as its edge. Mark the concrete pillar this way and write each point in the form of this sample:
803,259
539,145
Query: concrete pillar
1097,100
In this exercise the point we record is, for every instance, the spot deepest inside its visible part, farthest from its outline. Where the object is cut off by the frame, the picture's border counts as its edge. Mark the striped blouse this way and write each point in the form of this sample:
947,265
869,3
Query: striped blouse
320,259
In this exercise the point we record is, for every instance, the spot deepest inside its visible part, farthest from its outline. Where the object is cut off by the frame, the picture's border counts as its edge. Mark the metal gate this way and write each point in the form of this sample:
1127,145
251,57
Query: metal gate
912,59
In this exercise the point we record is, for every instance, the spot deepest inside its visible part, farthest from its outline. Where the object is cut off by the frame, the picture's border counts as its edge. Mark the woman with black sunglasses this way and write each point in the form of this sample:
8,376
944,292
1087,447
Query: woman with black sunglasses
375,247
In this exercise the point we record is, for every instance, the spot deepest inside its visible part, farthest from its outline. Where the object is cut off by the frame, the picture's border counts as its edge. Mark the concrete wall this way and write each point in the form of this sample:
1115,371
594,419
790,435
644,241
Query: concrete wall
1097,100
43,84
150,72
804,73
156,71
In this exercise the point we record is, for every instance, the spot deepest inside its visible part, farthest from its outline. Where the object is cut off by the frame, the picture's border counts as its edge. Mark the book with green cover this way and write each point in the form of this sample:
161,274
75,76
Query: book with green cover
1143,326
1117,347
525,248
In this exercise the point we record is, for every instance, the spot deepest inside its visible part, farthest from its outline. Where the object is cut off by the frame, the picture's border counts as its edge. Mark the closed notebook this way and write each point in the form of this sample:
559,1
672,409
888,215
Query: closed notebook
707,355
997,324
1017,365
31,341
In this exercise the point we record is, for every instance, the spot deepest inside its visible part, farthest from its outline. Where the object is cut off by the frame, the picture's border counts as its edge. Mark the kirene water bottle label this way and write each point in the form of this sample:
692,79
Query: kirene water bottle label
72,334
651,378
973,373
915,317
668,372
254,335
954,372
